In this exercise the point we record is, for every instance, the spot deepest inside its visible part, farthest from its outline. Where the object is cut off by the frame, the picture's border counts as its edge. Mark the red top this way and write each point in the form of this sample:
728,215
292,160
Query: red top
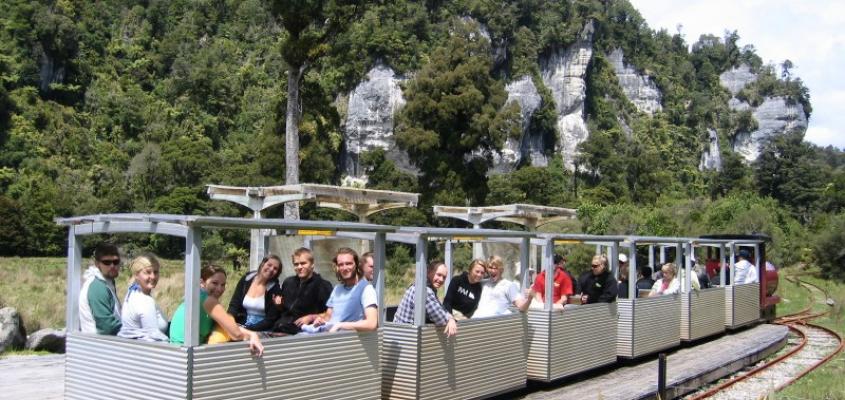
563,285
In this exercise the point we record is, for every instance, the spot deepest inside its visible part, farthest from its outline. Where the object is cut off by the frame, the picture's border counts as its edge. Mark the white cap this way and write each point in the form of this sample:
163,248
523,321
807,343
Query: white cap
623,258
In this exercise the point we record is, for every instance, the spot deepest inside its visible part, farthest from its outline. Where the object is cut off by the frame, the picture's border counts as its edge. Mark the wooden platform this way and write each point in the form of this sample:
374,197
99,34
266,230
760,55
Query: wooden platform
688,369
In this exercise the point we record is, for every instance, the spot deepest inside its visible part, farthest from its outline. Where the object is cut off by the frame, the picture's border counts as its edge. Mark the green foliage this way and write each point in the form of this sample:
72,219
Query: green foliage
828,248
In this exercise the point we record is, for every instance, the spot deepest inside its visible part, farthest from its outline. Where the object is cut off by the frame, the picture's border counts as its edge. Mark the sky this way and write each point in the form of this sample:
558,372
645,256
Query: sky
807,32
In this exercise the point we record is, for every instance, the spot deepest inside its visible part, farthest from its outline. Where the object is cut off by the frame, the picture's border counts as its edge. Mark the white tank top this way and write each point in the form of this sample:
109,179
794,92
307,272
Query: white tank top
254,305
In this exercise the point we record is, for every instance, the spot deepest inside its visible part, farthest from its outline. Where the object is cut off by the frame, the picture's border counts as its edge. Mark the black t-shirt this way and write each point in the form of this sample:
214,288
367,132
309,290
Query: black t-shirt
462,295
600,288
302,298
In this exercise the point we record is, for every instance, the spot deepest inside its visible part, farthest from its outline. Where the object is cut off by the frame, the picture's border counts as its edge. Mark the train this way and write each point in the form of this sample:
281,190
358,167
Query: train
488,357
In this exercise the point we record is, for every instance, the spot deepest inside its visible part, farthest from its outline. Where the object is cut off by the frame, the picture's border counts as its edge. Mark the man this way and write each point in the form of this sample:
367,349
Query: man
644,282
622,289
99,308
745,271
304,295
434,311
353,304
497,294
367,265
597,285
562,284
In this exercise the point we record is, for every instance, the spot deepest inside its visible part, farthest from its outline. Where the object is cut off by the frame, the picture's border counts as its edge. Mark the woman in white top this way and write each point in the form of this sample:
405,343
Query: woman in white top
669,283
142,318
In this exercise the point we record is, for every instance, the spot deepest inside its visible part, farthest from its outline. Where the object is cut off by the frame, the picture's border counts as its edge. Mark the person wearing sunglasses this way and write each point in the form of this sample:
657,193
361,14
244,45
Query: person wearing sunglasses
597,284
99,308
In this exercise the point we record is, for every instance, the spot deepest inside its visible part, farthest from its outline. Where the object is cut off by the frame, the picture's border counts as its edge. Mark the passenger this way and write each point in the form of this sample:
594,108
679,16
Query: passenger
622,289
701,275
368,265
745,271
353,305
562,285
142,318
304,295
212,286
99,308
434,311
258,296
464,291
645,282
498,294
669,283
598,285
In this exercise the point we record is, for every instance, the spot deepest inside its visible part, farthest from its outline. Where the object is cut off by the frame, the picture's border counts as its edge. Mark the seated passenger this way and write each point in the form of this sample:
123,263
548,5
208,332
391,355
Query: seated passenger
745,271
142,318
598,285
622,289
498,294
434,311
701,275
562,285
368,266
212,286
258,296
644,282
99,308
353,304
668,283
304,295
464,291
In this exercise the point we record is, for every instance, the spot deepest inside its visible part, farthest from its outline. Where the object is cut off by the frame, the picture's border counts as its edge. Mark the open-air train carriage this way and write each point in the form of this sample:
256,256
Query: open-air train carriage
702,311
742,302
330,366
578,338
487,357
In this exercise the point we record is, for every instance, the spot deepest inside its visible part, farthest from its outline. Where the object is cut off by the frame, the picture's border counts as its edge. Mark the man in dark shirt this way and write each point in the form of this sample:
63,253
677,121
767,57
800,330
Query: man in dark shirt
465,290
304,295
645,282
598,285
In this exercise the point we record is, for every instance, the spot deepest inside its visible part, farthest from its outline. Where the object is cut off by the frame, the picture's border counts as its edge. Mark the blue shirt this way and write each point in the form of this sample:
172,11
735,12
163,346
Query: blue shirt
348,302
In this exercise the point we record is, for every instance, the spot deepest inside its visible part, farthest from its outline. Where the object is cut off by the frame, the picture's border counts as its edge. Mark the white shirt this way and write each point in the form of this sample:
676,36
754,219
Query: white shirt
142,318
496,298
745,273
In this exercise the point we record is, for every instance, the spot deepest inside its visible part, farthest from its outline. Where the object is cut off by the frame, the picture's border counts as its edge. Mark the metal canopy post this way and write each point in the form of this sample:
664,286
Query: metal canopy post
74,279
679,259
687,283
379,255
548,267
614,258
193,243
733,262
651,257
722,264
420,282
662,255
448,261
524,249
632,270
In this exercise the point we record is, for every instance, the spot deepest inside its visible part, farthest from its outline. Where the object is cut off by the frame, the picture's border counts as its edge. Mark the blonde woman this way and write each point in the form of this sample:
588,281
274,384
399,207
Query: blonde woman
669,283
142,318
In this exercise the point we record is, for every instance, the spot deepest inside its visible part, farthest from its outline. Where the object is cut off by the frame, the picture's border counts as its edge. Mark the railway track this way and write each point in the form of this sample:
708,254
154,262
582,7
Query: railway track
809,346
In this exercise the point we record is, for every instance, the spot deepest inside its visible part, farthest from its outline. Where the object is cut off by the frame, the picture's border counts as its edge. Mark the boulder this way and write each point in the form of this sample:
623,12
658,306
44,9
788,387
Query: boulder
52,340
12,331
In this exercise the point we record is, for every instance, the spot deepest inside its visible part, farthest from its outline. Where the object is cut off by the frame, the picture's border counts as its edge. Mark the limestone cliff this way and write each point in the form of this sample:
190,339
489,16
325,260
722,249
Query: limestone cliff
639,89
523,92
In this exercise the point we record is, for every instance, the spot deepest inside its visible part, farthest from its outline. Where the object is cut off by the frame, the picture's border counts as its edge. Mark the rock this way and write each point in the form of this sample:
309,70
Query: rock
52,340
369,120
563,73
774,117
736,79
639,89
12,331
523,92
711,158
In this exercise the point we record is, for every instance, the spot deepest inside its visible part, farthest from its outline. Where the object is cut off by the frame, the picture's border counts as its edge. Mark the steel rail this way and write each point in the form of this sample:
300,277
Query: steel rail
820,362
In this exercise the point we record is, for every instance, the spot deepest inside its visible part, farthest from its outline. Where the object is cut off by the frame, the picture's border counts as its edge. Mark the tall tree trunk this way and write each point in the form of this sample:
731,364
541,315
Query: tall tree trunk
292,116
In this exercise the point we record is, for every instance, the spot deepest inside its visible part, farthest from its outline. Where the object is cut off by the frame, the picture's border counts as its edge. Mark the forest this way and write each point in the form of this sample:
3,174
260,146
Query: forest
136,105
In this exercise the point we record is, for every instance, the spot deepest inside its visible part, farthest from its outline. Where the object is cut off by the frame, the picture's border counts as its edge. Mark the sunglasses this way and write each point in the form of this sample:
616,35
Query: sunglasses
110,262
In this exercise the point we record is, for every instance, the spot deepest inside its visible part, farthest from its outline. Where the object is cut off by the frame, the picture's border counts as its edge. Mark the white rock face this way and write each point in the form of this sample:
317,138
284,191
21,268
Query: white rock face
523,92
563,73
774,117
711,158
736,79
369,121
639,89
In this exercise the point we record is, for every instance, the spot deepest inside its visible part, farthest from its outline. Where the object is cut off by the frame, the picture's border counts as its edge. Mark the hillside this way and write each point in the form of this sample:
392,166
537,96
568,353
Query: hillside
116,106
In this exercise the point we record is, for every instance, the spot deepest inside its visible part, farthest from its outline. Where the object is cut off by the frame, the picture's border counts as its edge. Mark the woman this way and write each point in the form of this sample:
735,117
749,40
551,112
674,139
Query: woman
258,296
142,318
212,286
464,291
669,283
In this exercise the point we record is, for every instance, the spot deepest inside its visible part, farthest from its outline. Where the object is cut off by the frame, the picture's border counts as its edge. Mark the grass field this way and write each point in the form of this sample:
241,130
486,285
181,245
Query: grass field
827,381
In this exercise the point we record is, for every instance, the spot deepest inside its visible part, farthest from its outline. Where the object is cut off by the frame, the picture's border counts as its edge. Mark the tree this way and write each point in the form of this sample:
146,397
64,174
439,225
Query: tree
310,26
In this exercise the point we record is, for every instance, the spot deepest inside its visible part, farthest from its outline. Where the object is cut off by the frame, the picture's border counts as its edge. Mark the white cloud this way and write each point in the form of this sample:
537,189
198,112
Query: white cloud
806,32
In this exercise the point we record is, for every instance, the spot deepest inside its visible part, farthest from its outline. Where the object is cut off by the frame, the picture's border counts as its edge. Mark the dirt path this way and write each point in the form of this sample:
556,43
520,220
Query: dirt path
32,377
